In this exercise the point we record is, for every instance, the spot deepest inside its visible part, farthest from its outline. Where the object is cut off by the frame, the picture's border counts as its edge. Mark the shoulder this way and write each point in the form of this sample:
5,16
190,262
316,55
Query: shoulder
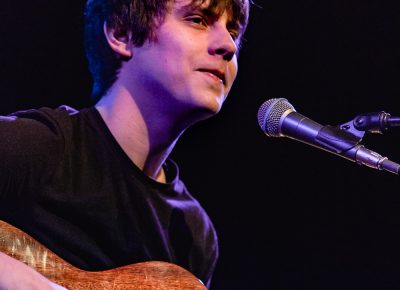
50,122
36,133
32,144
48,117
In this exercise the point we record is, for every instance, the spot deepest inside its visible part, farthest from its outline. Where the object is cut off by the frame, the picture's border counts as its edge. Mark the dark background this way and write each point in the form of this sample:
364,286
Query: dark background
289,216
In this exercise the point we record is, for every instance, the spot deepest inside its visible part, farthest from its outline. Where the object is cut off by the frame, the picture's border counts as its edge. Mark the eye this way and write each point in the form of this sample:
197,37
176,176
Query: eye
197,19
234,34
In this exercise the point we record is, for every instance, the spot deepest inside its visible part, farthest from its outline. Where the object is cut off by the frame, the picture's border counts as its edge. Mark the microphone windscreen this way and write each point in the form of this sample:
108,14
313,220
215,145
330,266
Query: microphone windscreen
270,113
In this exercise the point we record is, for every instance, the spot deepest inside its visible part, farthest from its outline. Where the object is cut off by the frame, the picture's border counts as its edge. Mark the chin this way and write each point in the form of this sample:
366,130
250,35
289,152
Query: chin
208,110
212,102
203,105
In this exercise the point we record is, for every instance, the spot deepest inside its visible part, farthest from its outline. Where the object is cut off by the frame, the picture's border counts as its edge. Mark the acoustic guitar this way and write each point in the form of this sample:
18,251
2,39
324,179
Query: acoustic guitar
152,275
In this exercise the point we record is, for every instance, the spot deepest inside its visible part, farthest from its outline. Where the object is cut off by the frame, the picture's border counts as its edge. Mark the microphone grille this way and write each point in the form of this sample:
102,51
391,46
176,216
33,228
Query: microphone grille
270,113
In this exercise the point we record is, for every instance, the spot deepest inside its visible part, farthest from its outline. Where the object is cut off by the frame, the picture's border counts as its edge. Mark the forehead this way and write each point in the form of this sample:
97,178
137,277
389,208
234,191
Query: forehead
201,3
215,6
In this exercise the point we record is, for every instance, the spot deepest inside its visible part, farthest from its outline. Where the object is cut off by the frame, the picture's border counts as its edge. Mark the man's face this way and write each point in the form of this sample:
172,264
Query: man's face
191,65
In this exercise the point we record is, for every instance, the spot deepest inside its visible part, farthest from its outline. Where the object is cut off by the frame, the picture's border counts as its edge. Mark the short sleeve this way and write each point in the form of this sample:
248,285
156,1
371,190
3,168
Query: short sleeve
31,145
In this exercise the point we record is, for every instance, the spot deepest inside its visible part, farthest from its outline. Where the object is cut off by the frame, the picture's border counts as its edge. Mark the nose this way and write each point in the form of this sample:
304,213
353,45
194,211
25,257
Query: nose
222,44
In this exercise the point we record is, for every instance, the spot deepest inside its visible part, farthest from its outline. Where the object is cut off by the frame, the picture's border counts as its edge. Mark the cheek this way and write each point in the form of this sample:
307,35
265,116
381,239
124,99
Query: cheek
171,56
178,48
233,69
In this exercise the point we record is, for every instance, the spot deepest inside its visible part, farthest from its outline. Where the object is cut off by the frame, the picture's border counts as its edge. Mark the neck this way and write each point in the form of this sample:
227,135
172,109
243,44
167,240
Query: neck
145,137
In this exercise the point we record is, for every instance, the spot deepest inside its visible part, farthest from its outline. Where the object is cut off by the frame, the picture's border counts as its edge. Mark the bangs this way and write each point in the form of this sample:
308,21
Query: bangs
238,10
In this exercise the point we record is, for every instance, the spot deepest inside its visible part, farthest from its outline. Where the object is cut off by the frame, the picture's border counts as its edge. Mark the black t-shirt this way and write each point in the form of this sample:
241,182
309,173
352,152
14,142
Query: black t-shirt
66,182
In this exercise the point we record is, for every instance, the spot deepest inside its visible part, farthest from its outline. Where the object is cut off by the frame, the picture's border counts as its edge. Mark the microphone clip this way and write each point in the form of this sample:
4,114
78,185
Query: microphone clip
374,122
347,135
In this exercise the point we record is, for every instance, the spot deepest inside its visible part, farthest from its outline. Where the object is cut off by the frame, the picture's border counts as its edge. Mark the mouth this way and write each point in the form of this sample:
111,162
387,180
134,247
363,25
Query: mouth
216,73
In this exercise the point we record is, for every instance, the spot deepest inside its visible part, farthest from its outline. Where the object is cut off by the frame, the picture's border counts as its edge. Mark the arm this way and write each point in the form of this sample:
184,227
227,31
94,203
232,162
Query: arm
23,146
15,275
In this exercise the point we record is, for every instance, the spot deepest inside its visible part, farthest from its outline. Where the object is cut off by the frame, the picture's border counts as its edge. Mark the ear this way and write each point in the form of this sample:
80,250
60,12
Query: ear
121,44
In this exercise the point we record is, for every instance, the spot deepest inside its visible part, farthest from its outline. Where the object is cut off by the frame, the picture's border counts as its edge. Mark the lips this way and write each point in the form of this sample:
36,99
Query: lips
219,74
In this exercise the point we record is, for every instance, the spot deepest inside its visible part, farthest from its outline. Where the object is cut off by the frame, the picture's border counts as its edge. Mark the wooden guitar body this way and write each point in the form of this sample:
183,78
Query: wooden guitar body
151,275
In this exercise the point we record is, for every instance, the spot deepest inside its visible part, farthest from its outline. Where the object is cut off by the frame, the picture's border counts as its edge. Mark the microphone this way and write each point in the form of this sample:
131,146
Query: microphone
278,118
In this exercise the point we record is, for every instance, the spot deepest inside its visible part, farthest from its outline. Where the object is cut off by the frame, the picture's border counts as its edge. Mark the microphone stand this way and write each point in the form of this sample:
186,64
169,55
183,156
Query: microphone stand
344,139
375,122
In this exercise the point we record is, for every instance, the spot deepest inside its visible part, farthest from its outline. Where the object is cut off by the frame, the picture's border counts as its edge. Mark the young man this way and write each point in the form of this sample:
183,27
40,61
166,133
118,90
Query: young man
96,185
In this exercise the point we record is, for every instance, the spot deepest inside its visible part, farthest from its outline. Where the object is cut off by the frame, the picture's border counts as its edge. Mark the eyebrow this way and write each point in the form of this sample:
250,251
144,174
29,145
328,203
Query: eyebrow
212,14
197,8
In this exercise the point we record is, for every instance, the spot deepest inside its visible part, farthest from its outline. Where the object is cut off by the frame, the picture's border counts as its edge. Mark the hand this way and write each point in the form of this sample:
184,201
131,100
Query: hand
15,275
